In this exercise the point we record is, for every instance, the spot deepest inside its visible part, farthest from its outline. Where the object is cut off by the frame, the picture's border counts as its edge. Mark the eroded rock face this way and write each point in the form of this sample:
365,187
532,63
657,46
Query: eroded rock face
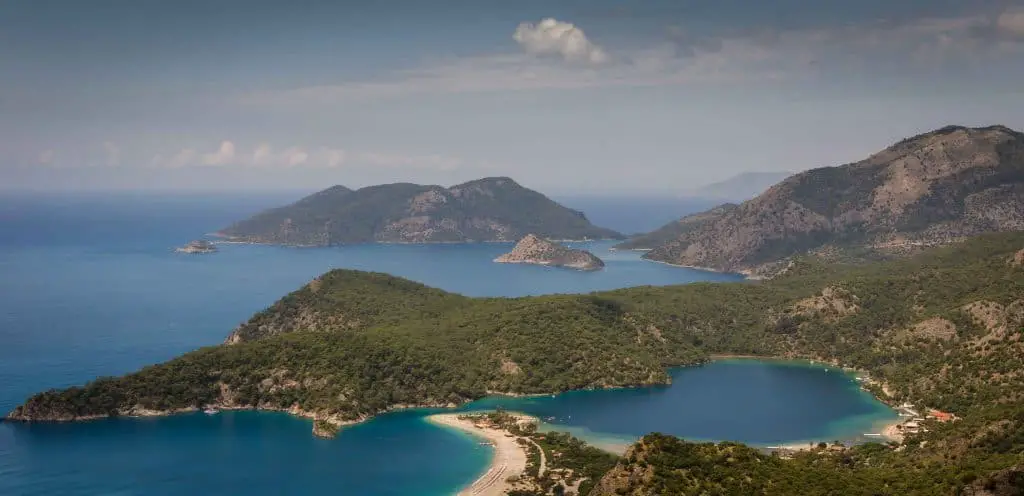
534,250
628,477
928,190
832,304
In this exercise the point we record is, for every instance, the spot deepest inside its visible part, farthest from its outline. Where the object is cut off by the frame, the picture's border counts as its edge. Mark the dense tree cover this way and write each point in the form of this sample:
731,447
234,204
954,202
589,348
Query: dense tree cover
664,465
487,209
943,329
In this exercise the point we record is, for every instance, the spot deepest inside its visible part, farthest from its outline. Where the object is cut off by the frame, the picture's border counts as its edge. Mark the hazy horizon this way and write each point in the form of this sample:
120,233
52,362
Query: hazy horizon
578,97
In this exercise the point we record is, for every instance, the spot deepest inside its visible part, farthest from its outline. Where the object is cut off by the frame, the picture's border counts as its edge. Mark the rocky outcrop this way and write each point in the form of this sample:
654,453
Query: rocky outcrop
197,247
931,189
833,303
631,476
534,250
1018,259
489,209
935,328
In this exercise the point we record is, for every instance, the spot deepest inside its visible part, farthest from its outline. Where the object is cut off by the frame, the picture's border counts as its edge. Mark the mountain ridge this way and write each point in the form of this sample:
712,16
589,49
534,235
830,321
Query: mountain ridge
487,209
929,189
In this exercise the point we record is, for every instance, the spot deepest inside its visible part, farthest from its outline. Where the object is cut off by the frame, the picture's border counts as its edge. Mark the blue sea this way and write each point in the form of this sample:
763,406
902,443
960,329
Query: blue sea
90,286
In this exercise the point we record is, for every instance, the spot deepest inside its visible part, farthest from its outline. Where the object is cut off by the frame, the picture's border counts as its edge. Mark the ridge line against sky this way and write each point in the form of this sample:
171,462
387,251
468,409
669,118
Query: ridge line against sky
566,96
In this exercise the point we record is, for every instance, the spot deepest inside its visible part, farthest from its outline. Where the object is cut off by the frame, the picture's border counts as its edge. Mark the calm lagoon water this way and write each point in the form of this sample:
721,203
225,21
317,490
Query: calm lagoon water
89,286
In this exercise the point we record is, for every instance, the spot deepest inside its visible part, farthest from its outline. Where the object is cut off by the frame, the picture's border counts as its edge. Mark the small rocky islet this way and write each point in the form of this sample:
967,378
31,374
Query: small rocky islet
197,247
534,250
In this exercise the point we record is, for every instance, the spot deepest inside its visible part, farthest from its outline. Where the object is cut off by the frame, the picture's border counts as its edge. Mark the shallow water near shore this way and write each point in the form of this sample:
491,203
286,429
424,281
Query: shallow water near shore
91,287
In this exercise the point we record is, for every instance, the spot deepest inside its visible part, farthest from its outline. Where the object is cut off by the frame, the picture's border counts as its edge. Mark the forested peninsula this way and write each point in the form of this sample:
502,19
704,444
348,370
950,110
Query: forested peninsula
942,329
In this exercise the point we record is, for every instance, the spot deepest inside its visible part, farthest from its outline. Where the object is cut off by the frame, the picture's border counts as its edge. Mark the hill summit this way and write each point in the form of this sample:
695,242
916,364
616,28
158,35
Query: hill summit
927,190
534,250
489,209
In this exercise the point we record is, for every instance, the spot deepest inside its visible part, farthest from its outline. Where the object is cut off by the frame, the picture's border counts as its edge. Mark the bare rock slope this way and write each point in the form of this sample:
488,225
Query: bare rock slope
534,250
931,189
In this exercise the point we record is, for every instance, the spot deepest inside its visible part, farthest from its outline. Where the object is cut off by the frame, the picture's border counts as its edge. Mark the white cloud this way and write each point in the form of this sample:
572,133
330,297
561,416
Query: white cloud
1010,23
46,157
328,157
554,37
183,158
113,154
223,156
295,156
750,57
262,155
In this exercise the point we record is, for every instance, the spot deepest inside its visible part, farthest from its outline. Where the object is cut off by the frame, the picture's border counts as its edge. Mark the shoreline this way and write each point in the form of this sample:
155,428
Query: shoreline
508,462
889,430
747,274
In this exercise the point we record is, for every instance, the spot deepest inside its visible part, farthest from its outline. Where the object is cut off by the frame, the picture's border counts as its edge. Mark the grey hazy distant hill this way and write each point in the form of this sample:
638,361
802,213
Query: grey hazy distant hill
740,187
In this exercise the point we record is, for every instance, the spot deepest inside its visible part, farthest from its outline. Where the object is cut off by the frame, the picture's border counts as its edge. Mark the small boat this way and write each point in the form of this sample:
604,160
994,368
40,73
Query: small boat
211,411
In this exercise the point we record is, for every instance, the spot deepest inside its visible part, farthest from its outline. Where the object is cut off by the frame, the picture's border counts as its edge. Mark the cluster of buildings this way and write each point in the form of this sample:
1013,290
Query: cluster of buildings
915,421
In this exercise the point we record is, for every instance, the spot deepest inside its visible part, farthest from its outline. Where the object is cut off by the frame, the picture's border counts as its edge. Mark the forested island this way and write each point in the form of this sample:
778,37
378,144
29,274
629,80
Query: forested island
942,329
488,209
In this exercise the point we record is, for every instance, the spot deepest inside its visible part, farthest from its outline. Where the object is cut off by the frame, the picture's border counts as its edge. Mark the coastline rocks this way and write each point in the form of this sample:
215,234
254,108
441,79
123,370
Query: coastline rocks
534,250
197,247
325,429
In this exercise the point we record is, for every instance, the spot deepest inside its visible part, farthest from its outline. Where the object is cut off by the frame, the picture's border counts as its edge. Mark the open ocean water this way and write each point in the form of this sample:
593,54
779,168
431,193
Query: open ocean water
90,286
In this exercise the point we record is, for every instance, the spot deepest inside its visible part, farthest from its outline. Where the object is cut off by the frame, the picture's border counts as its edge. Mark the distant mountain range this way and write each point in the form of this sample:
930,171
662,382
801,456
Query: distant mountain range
926,190
489,209
739,187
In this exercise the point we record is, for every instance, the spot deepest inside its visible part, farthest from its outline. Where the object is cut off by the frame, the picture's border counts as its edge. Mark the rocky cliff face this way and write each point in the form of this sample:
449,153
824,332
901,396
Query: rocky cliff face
534,250
490,209
931,189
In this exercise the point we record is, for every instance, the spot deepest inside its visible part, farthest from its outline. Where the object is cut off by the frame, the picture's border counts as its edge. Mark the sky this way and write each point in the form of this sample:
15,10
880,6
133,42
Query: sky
566,96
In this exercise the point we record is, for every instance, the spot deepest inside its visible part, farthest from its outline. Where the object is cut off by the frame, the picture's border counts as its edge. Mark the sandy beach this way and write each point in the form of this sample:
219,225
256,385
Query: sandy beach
893,431
509,457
